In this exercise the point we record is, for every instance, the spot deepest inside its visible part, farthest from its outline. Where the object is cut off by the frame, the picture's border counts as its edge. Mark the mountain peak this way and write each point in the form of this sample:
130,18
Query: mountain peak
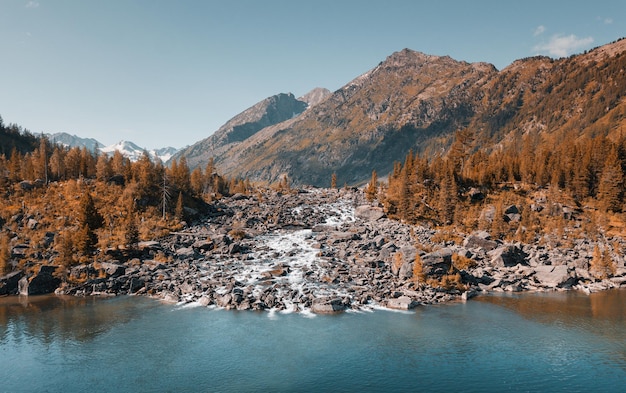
315,96
272,110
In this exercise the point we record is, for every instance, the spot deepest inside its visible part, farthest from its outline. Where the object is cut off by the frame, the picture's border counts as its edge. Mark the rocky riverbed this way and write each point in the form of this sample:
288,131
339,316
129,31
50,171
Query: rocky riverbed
322,251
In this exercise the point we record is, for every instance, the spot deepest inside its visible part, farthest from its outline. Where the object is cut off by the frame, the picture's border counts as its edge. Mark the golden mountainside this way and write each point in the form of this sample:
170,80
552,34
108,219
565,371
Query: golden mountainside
414,101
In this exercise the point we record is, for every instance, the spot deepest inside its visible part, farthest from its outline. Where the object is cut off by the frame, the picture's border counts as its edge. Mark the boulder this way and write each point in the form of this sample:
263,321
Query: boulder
113,269
32,223
42,283
406,271
475,241
437,263
149,245
402,303
327,307
369,213
507,256
186,252
513,209
204,245
554,276
9,283
488,213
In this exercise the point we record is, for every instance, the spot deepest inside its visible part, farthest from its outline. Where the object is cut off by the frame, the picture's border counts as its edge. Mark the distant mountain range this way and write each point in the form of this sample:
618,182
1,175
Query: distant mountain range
414,101
128,149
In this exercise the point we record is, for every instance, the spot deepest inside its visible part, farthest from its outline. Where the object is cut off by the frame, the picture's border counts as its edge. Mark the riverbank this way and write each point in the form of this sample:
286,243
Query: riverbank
324,251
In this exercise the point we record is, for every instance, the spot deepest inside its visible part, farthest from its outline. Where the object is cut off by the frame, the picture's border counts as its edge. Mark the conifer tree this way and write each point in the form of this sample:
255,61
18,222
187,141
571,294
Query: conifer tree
5,255
371,191
611,187
418,270
88,215
448,197
179,211
601,265
333,181
131,233
197,182
65,250
104,171
57,163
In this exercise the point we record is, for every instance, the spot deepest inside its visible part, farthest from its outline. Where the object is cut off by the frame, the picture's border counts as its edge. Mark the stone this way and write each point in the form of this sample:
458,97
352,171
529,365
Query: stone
554,276
402,303
43,282
437,263
488,213
149,245
328,307
204,245
512,209
186,252
113,269
476,241
508,255
369,213
32,223
406,271
9,283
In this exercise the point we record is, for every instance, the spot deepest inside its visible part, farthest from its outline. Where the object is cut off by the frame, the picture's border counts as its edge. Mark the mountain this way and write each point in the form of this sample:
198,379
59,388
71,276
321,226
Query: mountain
315,96
414,101
134,152
69,140
270,111
128,149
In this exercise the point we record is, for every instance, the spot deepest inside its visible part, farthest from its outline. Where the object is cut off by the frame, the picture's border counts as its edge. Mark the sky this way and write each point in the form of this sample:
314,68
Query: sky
170,73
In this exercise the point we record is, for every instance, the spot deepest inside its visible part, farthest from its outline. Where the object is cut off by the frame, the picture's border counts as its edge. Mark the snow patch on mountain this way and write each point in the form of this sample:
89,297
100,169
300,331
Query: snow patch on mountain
134,152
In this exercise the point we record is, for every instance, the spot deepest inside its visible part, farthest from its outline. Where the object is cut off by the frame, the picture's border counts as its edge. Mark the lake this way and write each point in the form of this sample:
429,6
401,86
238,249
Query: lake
563,341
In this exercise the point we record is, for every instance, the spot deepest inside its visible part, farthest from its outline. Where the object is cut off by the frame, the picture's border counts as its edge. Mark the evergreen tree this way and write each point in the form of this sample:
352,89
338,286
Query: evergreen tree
611,187
88,215
371,191
333,181
5,255
65,250
418,270
84,242
131,233
448,197
179,211
104,171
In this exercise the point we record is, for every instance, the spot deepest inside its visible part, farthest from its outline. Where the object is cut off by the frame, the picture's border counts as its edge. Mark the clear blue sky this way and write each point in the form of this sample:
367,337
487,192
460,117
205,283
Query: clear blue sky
170,73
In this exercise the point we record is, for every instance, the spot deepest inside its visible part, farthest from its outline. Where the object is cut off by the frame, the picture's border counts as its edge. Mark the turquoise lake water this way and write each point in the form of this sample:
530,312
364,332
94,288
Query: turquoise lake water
557,342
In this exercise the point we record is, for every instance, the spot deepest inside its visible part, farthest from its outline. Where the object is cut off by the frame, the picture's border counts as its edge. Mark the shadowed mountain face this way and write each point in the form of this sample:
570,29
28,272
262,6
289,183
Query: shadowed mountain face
413,101
270,111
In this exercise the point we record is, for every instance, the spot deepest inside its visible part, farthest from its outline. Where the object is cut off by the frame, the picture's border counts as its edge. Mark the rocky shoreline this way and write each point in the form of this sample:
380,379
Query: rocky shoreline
319,250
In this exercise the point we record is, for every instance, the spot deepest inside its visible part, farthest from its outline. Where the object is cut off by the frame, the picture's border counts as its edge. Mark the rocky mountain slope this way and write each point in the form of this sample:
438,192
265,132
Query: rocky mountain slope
68,140
270,111
414,101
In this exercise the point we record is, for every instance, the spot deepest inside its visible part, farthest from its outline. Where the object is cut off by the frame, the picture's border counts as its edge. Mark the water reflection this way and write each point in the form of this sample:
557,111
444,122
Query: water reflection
567,307
602,314
52,318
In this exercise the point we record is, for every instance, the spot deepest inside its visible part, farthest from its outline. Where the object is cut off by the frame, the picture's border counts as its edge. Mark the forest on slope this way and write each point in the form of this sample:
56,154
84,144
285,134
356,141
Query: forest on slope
69,206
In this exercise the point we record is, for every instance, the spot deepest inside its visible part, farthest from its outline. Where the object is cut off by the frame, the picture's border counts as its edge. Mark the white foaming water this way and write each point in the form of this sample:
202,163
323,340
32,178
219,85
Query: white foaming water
283,260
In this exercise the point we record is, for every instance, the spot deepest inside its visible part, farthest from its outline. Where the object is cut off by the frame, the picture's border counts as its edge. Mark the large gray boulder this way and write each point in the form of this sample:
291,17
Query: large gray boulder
554,276
325,306
369,213
437,263
479,241
402,303
508,255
